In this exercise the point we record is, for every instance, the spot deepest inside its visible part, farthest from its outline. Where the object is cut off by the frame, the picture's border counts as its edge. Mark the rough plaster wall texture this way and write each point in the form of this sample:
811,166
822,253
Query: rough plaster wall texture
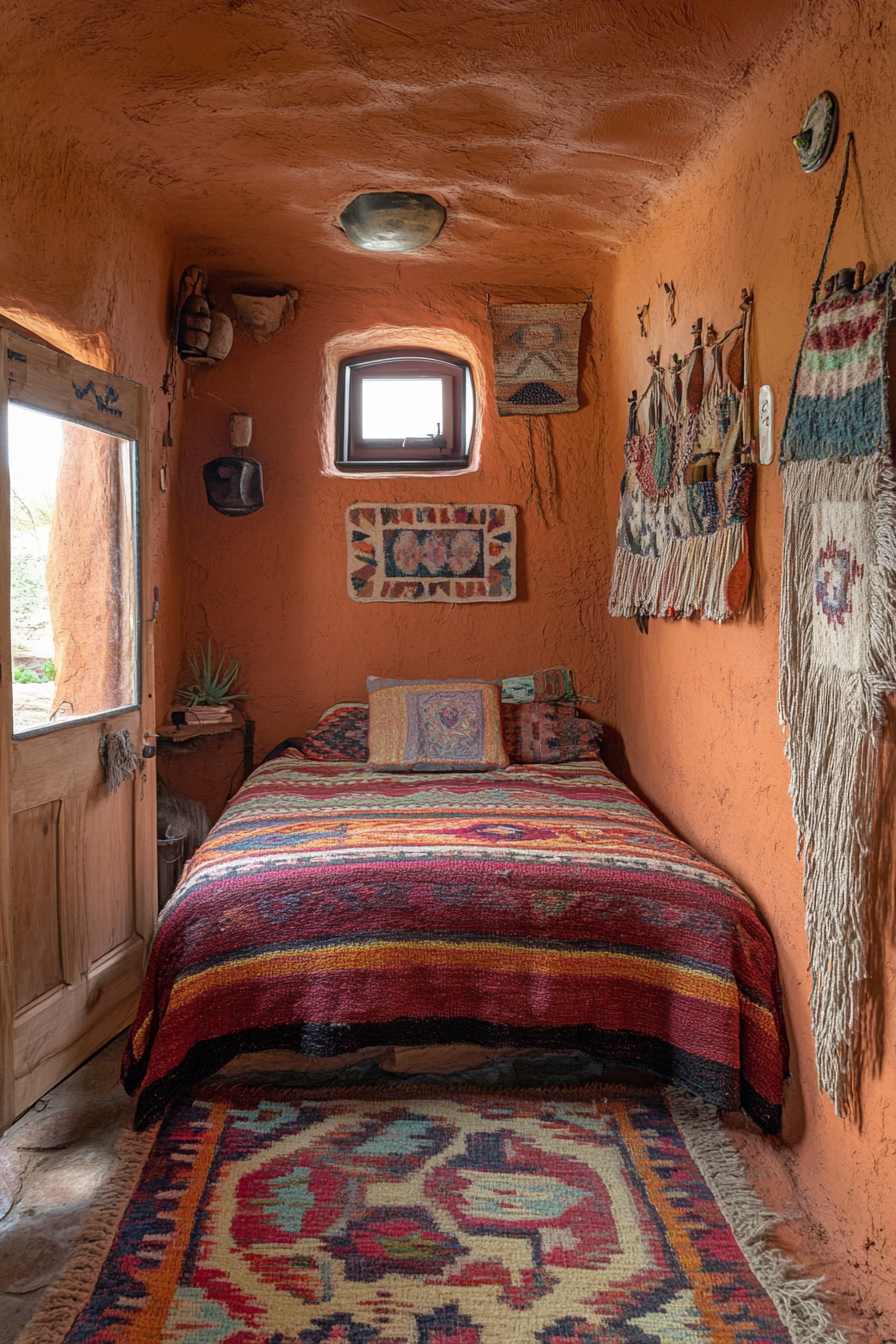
697,703
531,116
271,587
241,132
83,269
81,265
90,576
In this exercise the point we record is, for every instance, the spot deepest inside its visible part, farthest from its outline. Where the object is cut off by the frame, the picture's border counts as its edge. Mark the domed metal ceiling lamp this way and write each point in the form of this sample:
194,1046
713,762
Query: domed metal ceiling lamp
392,221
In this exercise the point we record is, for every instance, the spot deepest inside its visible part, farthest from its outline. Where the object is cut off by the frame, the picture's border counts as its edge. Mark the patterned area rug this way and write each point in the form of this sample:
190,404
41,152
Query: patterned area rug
265,1217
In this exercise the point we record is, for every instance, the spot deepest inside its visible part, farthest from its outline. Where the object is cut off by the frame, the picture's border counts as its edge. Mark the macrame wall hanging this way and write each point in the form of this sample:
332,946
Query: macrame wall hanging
681,540
838,634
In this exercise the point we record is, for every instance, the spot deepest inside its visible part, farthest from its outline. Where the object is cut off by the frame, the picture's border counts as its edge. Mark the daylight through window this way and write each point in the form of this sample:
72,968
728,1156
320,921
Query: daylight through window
404,410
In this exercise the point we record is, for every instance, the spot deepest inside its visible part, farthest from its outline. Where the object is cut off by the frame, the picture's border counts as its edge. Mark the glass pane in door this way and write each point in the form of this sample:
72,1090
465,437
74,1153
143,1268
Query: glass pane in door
73,571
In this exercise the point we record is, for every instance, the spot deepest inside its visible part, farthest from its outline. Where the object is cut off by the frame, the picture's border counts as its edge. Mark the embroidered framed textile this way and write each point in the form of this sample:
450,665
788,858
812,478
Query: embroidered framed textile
431,552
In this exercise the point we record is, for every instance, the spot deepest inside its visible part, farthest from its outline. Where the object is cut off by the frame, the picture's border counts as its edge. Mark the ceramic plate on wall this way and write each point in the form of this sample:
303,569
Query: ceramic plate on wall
818,134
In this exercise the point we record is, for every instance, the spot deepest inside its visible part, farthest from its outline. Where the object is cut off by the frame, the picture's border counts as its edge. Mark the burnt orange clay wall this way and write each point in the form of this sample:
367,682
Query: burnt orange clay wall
90,576
272,587
81,270
697,702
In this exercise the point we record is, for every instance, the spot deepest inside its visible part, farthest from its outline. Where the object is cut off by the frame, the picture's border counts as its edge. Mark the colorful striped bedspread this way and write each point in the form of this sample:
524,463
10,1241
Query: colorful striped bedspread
332,908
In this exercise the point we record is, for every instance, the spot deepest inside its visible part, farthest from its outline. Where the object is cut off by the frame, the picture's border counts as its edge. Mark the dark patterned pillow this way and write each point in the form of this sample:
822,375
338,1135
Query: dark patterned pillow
341,735
545,734
289,744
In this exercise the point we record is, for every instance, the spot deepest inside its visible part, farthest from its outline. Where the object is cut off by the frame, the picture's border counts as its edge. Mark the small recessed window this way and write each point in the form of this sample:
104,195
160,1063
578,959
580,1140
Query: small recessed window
404,410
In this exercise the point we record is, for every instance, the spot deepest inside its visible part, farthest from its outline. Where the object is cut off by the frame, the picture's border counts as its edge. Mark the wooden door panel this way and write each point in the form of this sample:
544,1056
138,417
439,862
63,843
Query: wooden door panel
59,764
77,864
37,942
108,867
58,1032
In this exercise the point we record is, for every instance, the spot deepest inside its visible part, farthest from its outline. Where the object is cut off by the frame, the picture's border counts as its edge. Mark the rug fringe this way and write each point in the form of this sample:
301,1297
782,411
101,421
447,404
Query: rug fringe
65,1299
690,577
798,1300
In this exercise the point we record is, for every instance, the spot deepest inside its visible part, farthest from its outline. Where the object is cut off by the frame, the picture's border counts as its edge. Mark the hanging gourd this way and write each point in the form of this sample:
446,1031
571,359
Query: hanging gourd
220,337
204,332
195,318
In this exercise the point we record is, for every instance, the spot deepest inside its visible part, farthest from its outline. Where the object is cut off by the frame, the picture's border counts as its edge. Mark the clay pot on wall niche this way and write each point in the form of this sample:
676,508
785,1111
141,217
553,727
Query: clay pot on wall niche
261,315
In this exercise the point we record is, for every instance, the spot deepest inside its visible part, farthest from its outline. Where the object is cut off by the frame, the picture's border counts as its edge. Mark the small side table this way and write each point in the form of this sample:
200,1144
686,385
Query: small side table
169,732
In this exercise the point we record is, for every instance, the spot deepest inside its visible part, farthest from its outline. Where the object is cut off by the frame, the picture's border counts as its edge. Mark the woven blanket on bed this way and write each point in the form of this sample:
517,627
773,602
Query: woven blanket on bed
333,908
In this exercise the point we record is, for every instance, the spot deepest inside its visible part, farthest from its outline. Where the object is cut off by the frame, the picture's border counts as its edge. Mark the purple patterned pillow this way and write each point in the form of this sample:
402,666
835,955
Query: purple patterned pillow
546,734
435,725
341,735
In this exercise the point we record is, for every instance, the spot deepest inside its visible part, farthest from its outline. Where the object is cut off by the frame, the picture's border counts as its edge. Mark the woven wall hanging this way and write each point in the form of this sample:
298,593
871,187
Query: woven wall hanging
537,357
681,540
838,637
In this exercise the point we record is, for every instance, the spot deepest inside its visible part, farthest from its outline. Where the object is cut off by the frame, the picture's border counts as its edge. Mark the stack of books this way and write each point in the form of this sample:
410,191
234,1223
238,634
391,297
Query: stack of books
204,714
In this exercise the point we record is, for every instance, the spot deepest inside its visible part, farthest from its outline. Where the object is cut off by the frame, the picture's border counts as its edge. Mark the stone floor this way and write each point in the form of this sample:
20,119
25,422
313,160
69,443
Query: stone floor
52,1162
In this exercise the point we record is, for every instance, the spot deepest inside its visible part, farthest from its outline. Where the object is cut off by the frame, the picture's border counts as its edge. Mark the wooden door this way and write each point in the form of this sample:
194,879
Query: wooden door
77,862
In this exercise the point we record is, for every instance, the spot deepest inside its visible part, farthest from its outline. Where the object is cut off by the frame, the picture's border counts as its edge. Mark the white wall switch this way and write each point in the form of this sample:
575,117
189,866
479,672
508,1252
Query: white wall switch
766,424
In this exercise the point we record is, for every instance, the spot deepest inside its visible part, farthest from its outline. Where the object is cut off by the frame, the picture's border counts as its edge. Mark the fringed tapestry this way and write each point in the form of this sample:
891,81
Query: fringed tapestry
681,540
537,357
838,643
431,552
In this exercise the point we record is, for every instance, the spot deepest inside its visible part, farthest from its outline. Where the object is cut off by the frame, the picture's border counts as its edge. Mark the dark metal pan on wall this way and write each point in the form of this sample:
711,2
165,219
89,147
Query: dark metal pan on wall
233,485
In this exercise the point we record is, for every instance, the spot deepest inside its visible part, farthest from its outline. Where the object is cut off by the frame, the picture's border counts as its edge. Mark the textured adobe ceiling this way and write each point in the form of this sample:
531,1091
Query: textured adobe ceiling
547,127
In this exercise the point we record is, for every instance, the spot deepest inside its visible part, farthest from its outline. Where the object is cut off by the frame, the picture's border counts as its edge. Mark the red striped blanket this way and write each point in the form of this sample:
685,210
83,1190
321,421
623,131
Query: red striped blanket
332,908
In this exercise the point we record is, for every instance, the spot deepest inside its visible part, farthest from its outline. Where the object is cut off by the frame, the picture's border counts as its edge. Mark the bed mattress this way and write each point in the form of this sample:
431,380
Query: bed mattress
333,908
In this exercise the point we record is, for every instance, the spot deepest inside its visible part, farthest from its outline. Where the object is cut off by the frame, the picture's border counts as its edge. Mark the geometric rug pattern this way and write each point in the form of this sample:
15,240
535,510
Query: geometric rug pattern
279,1218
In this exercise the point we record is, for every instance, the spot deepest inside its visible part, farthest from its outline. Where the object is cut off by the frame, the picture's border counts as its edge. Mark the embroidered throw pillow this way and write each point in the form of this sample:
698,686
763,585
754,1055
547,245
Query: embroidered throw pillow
435,725
340,735
545,734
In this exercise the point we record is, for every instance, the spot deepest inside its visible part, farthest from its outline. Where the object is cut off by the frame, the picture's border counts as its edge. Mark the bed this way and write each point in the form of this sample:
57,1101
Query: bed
333,908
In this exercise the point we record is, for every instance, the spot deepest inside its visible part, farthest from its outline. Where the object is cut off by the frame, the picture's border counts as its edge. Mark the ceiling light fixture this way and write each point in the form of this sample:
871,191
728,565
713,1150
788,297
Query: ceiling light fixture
392,221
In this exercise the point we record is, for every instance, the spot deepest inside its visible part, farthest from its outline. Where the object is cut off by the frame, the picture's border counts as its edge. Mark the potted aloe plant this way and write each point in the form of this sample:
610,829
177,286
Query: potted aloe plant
209,697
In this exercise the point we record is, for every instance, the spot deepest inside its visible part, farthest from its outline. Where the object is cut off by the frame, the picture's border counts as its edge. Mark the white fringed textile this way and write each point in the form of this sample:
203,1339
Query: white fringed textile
690,576
838,663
